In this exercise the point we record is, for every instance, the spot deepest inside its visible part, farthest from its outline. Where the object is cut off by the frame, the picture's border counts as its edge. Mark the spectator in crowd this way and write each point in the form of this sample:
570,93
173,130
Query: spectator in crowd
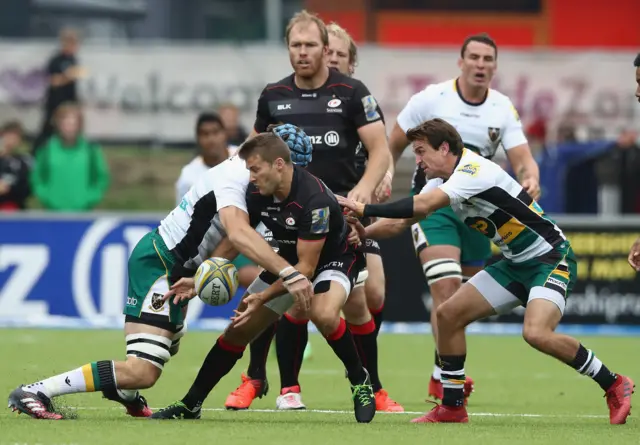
617,171
230,115
63,73
14,169
69,172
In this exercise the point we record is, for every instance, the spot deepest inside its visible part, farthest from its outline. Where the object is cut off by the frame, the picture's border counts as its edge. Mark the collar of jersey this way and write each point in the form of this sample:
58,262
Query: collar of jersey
457,88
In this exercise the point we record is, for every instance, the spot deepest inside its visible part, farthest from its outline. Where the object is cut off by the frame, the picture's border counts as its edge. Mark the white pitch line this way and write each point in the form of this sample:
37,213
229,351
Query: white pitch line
413,413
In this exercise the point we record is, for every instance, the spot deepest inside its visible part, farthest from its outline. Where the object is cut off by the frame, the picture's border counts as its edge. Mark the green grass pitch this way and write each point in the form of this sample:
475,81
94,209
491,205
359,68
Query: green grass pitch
521,396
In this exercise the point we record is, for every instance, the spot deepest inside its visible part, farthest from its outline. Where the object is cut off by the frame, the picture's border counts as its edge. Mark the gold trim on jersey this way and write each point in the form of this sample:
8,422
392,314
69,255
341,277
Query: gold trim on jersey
510,230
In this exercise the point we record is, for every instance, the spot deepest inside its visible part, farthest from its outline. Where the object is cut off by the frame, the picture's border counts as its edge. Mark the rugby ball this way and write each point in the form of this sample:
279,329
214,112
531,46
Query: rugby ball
216,281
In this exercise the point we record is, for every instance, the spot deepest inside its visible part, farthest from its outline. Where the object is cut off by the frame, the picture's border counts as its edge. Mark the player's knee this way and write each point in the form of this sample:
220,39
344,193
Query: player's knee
375,292
355,309
443,276
146,356
326,320
297,313
449,317
138,374
537,336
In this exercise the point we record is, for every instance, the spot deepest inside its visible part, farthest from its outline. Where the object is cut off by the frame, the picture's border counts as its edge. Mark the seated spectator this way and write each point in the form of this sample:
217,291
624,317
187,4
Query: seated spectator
69,172
14,169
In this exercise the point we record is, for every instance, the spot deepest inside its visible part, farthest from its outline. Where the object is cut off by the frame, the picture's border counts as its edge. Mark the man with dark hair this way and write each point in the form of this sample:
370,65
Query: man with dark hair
636,63
307,222
449,251
350,155
538,270
14,169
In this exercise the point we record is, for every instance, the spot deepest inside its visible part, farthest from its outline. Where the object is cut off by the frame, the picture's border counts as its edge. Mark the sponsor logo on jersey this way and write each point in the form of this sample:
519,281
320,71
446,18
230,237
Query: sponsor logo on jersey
494,133
290,221
471,168
370,108
320,220
562,285
282,107
157,303
331,138
309,95
333,103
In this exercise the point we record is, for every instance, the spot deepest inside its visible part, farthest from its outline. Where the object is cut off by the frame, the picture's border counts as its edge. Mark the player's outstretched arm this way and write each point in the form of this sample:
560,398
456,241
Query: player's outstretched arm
246,240
388,228
418,206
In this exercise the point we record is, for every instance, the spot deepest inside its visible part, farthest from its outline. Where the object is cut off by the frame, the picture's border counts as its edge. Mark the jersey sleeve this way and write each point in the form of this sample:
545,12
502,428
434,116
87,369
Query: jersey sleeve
467,181
363,107
513,132
183,184
416,111
263,116
316,219
431,185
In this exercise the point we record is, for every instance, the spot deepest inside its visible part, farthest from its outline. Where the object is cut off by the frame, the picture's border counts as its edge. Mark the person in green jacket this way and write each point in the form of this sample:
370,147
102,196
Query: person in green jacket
69,172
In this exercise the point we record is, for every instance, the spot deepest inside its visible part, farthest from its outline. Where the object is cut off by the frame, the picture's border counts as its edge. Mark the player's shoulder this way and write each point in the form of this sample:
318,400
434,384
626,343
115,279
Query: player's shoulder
343,84
500,99
434,91
475,166
283,86
312,186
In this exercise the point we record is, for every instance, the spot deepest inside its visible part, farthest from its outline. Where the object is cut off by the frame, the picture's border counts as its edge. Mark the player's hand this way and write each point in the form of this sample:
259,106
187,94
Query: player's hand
359,228
383,191
634,256
361,193
76,72
4,187
532,187
182,290
354,237
251,303
355,206
300,289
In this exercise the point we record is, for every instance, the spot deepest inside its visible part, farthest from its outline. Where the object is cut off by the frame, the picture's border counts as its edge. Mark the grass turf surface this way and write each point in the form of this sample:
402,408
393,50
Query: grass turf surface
521,396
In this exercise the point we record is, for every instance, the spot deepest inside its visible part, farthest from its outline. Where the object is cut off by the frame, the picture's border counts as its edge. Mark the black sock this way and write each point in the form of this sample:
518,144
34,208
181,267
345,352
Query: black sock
103,375
259,352
219,361
364,337
587,363
341,341
452,379
377,318
437,358
291,340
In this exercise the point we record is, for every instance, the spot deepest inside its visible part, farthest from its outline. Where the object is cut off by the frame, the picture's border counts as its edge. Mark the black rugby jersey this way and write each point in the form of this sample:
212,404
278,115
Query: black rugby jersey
331,116
310,212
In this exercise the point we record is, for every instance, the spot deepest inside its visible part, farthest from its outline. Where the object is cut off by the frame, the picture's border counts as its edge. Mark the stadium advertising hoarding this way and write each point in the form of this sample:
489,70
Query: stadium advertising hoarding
71,271
153,92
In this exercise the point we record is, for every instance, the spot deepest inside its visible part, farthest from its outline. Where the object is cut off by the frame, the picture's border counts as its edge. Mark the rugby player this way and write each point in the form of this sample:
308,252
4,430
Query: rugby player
538,270
211,139
351,156
448,250
162,263
634,254
312,233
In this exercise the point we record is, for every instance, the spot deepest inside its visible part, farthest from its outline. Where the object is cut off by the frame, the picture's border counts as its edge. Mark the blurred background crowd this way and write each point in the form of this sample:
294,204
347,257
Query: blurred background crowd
99,99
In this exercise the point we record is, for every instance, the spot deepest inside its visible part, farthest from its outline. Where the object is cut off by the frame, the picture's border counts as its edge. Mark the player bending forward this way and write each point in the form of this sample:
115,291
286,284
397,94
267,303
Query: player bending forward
538,269
213,208
308,224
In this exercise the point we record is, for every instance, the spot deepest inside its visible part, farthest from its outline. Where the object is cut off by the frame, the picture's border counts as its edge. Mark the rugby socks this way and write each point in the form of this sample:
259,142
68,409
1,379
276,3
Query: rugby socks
377,319
95,376
364,337
291,340
452,379
586,363
341,341
219,361
437,371
258,352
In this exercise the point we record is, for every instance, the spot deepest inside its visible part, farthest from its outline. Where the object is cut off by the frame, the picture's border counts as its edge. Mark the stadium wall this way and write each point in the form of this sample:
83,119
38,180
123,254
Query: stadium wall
69,271
153,92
